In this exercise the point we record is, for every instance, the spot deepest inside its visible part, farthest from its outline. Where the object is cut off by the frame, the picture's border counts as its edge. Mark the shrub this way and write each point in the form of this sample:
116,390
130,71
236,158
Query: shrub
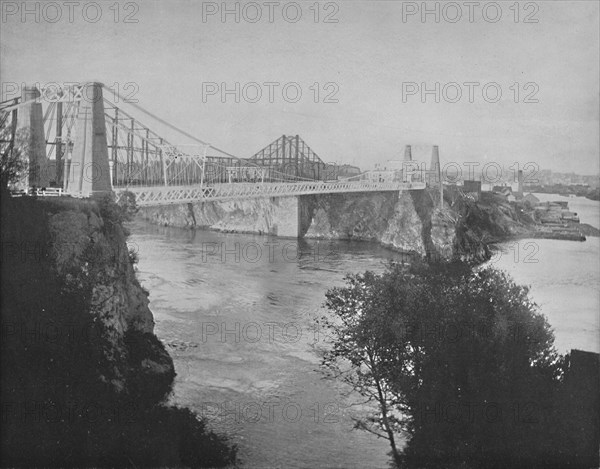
422,339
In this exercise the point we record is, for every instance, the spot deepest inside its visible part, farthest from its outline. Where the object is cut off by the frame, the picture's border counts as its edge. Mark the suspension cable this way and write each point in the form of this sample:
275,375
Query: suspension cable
167,124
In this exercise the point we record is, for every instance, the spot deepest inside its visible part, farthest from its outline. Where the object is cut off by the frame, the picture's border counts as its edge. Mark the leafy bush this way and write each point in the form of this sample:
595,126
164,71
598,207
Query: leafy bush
14,156
423,341
128,204
133,256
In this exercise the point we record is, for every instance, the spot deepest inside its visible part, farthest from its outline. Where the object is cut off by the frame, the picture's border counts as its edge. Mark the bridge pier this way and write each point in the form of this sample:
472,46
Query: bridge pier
285,216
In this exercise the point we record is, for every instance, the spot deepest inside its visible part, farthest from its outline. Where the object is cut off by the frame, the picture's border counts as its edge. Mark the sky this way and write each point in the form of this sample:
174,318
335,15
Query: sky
365,63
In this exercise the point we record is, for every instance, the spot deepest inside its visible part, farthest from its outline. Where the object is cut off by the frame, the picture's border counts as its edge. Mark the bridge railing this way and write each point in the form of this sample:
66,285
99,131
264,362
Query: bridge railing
149,196
39,192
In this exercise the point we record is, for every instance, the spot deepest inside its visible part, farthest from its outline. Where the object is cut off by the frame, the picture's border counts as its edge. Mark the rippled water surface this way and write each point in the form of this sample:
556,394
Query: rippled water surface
564,277
242,333
237,314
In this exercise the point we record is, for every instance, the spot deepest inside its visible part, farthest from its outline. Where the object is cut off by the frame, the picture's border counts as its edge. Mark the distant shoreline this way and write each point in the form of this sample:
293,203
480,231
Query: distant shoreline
566,191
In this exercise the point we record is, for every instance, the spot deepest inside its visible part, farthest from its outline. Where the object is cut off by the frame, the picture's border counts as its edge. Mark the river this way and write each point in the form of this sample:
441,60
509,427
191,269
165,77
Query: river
237,313
564,277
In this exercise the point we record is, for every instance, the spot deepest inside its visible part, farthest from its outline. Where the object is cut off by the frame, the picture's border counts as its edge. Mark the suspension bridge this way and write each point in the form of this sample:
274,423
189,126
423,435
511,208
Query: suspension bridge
81,142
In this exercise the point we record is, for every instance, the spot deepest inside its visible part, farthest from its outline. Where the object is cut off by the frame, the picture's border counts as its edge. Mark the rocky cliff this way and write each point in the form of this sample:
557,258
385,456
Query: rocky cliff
406,221
79,249
260,215
84,378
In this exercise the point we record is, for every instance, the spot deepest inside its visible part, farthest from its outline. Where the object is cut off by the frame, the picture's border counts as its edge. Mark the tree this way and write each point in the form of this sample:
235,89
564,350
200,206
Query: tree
13,156
358,355
128,205
458,360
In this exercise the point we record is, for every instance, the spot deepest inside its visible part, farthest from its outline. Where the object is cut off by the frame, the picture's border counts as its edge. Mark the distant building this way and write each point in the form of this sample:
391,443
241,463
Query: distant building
472,186
531,199
347,170
385,175
472,189
568,215
502,190
396,165
406,170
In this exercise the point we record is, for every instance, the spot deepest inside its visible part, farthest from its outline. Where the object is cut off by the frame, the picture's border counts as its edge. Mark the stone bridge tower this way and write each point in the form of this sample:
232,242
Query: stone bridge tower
30,124
88,170
435,175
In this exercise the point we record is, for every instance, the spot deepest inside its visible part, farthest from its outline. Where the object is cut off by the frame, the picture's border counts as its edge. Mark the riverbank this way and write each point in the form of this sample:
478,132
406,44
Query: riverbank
406,222
409,222
84,376
557,221
532,218
570,190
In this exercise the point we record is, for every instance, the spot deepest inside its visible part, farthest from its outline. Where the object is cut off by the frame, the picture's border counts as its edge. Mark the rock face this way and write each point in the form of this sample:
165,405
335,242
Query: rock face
118,296
75,251
276,216
84,379
405,221
386,217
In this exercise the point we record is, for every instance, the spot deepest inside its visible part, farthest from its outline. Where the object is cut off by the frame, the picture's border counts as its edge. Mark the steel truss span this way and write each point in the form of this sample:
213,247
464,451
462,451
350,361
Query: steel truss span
154,196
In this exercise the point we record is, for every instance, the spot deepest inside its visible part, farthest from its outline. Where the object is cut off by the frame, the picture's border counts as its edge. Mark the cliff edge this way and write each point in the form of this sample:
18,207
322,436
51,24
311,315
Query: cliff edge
407,221
84,378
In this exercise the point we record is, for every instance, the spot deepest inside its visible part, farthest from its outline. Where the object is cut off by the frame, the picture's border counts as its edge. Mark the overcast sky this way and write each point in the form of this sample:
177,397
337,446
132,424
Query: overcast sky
364,61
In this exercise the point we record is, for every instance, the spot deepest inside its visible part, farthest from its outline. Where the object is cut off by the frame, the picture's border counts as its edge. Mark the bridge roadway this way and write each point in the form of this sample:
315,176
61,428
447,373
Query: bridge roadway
167,195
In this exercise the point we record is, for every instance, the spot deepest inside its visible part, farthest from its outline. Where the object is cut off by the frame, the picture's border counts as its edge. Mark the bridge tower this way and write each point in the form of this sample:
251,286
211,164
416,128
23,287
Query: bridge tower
31,120
435,173
520,182
407,165
88,171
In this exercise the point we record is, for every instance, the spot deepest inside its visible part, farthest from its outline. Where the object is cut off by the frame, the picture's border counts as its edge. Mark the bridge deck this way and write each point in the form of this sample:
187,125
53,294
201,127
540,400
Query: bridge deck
166,195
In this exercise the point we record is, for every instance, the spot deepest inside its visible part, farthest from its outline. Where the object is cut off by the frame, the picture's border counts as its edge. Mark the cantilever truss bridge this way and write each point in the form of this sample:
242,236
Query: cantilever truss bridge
157,171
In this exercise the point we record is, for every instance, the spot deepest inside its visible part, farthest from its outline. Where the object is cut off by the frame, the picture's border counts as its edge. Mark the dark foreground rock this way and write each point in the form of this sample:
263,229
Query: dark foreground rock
84,378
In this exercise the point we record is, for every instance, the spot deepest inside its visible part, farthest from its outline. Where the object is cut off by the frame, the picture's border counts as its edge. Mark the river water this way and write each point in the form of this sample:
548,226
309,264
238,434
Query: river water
564,277
237,313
